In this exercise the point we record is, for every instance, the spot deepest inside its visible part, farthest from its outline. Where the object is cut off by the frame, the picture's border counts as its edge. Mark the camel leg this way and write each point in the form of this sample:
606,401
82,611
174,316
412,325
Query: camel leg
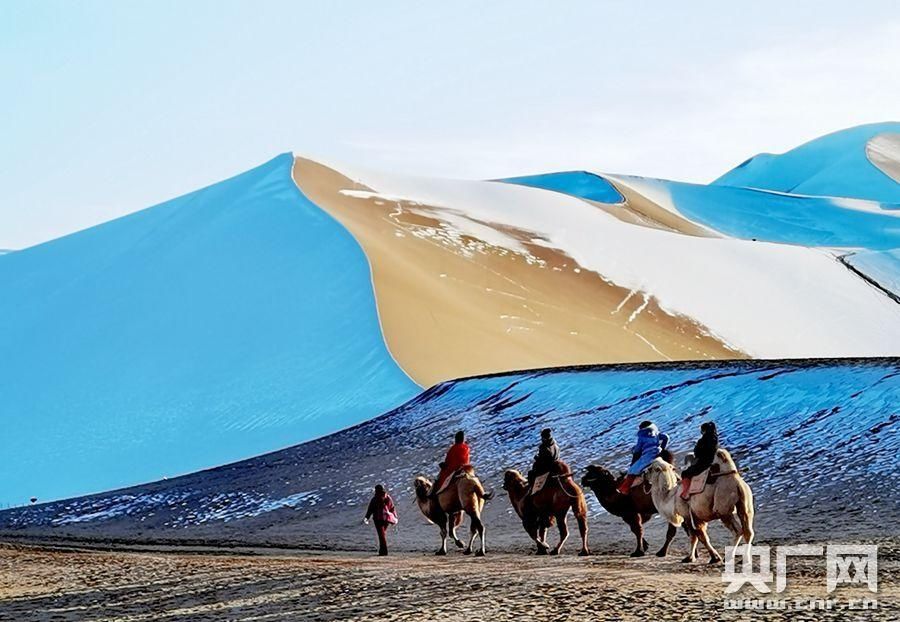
538,534
745,514
670,535
443,527
731,522
637,528
455,521
581,519
562,525
478,528
714,557
692,547
473,531
542,536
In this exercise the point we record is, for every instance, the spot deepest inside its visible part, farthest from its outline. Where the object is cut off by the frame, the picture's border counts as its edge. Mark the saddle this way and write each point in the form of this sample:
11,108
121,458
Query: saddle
557,471
539,482
708,476
466,471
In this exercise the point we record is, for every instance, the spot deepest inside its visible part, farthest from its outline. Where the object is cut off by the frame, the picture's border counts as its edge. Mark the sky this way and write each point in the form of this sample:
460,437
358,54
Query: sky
110,107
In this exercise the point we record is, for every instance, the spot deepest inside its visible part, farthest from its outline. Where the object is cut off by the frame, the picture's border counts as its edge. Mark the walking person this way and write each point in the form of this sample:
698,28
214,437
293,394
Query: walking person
383,513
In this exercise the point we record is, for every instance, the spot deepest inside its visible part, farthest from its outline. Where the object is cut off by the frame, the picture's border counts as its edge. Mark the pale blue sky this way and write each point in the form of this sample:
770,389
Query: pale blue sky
109,107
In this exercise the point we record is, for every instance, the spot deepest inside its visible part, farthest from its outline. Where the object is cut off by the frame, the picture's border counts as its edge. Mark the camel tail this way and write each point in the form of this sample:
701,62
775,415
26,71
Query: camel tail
480,491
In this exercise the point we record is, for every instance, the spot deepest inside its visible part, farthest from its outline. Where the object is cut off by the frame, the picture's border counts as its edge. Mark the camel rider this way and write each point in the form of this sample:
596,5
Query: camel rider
704,455
457,457
649,446
546,457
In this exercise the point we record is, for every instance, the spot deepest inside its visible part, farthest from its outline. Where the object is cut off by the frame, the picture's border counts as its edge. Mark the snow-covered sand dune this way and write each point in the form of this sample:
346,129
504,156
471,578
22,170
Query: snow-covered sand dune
220,325
817,441
853,163
763,299
249,316
461,293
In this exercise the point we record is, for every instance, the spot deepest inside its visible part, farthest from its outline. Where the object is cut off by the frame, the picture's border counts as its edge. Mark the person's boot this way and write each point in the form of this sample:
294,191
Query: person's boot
685,487
625,486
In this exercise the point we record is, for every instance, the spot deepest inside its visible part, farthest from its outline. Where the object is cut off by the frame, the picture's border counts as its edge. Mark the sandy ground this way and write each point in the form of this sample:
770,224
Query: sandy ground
488,309
51,584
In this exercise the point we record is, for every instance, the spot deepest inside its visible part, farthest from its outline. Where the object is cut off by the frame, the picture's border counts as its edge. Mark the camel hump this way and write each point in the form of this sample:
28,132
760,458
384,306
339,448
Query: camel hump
560,468
466,471
722,465
724,461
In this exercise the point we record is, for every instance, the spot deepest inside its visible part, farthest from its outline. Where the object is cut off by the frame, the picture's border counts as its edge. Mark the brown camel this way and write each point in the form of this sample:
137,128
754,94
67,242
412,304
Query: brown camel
726,497
553,502
635,508
464,494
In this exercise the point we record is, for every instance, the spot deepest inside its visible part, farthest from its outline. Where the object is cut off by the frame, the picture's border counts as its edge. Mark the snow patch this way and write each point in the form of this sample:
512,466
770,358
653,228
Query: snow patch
768,300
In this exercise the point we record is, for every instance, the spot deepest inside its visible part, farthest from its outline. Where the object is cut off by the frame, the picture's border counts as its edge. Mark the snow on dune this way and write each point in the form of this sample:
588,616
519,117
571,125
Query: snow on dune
788,218
787,423
579,183
768,215
769,300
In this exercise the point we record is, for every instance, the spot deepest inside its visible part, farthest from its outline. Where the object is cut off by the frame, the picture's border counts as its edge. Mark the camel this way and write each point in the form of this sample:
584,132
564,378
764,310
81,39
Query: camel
635,508
551,503
464,494
726,497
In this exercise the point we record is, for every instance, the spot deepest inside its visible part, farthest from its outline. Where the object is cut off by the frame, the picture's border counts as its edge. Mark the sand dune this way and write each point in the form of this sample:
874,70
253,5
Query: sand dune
653,207
459,296
787,423
766,300
883,152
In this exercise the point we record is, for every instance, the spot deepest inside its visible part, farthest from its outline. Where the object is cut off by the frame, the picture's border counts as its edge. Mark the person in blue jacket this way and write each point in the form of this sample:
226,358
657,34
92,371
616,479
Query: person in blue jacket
649,446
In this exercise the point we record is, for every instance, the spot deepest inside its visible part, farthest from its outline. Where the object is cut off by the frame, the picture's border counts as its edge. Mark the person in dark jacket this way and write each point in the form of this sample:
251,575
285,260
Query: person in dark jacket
383,514
546,457
704,455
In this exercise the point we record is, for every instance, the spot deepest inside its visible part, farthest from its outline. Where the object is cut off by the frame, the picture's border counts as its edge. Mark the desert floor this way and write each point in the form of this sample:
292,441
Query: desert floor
55,583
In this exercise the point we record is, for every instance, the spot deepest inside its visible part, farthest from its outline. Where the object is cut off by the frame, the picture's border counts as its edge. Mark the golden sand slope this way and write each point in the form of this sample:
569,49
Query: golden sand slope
642,211
452,305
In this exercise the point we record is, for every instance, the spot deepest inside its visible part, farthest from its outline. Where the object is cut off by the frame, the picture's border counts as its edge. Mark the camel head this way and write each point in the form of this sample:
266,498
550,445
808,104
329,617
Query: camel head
513,481
598,478
422,486
661,474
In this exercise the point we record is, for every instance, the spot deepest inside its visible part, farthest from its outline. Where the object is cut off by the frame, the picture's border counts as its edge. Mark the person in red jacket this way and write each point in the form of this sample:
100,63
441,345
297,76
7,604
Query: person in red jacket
381,510
457,457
